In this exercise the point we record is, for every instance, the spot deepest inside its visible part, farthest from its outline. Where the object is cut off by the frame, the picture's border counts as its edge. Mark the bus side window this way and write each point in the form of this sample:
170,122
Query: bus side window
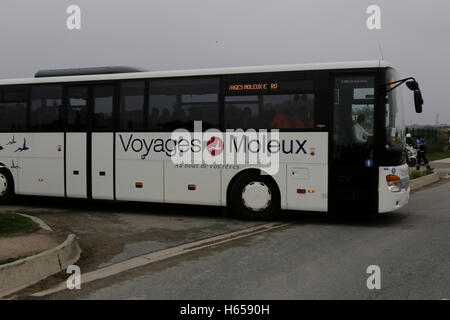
353,112
283,111
294,111
242,112
13,111
77,108
132,105
103,108
178,103
46,108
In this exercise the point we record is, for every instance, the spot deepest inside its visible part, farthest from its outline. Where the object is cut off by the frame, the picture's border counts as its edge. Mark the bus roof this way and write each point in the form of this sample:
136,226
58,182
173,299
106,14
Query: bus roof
203,72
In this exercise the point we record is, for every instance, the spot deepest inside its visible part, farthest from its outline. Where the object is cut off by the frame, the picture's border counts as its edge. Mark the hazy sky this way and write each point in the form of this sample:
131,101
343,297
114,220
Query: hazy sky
185,34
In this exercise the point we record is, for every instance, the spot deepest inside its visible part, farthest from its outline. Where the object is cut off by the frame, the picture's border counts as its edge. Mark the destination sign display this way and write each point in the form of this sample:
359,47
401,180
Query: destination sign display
253,86
277,87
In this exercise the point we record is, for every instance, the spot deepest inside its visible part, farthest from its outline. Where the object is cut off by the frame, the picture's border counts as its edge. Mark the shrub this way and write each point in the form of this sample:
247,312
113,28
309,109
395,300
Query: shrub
417,174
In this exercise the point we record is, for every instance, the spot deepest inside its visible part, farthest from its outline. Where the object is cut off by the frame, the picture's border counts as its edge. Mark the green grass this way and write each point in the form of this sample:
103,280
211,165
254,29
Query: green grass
12,224
438,155
417,174
9,260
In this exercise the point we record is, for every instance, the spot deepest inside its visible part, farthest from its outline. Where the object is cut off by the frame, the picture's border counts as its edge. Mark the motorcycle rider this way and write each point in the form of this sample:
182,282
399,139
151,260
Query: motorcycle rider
410,150
421,156
409,140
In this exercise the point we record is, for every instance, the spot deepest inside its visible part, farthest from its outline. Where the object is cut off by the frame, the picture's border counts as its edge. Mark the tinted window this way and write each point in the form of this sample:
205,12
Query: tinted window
13,111
353,118
132,105
103,108
77,108
394,123
284,111
46,104
178,103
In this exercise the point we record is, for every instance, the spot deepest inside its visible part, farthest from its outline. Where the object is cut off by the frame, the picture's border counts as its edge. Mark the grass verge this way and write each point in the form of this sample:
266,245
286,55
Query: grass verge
438,155
13,223
9,260
417,174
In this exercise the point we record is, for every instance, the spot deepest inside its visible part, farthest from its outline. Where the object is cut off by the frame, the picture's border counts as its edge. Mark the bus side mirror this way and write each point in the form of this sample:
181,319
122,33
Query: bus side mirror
412,85
418,101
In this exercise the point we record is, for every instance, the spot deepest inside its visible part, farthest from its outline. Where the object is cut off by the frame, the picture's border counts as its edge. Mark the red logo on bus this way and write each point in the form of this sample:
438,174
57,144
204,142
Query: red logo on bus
215,146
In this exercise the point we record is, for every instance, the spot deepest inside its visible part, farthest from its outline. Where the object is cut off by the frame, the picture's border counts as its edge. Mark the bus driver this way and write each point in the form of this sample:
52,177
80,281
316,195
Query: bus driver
360,135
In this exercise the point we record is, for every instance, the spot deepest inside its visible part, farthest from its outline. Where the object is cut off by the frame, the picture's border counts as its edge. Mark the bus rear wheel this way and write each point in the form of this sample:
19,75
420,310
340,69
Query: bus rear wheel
254,196
6,187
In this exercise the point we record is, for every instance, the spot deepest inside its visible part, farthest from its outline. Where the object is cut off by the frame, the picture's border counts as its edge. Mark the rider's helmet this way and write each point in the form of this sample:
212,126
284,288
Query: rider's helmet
408,135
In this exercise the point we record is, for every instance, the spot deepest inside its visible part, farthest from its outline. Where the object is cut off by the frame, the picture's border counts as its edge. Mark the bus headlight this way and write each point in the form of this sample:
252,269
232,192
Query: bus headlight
393,182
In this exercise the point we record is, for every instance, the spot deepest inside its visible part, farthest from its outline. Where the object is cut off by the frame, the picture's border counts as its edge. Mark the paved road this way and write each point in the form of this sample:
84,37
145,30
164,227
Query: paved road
110,232
316,257
442,167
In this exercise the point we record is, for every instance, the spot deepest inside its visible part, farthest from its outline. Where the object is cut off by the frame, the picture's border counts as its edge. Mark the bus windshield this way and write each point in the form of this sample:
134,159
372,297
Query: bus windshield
394,123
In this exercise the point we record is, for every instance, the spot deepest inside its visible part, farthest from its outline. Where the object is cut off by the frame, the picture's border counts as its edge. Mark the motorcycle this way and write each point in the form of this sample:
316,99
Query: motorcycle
411,157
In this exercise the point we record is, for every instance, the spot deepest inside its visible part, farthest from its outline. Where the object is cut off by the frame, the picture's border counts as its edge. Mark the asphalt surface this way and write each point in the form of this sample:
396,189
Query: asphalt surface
318,256
110,232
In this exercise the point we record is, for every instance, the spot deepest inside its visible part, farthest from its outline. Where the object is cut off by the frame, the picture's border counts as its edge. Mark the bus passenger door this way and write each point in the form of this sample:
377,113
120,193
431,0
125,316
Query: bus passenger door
76,142
76,169
102,142
89,142
353,171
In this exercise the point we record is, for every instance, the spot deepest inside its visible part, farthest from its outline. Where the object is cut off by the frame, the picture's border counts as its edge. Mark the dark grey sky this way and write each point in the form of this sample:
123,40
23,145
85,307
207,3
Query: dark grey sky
184,34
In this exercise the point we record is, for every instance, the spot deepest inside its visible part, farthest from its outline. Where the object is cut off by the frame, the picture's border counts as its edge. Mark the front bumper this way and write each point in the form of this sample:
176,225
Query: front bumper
390,201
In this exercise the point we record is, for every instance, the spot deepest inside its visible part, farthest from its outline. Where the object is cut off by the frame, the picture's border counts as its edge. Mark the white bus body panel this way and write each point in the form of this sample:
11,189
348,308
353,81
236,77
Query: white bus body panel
103,166
207,185
307,172
313,178
36,161
140,158
144,157
149,173
40,169
76,168
132,168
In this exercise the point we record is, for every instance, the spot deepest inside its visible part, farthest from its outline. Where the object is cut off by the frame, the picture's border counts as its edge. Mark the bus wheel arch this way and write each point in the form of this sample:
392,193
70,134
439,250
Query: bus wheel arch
6,185
248,179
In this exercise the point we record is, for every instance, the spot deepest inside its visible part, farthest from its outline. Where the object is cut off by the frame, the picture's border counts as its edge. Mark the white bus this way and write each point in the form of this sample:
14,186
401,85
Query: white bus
105,133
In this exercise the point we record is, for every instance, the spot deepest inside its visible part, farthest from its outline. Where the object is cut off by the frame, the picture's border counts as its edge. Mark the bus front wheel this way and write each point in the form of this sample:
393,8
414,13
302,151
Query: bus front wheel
255,196
6,186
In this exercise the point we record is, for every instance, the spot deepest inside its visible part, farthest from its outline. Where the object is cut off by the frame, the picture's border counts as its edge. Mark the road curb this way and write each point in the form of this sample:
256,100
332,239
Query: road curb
41,223
160,255
445,160
20,274
423,181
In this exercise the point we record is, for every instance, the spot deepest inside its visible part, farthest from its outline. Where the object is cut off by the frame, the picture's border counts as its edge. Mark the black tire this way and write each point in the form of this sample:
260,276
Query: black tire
7,182
237,204
411,162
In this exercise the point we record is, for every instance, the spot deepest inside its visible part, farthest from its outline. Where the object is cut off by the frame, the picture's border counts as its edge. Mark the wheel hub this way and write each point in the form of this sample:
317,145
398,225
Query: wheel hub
3,184
256,196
